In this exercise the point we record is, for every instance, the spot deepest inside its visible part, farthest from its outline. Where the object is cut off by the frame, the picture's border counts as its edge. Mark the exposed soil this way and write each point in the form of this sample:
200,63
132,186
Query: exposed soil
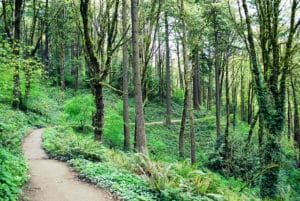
53,180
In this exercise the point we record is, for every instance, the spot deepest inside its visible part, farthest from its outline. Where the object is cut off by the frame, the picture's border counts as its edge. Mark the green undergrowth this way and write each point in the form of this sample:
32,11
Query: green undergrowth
14,125
13,169
42,110
137,177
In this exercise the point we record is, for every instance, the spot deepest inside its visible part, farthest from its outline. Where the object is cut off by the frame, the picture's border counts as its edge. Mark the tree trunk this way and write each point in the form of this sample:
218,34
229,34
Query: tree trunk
234,97
140,135
209,91
188,86
243,116
62,68
160,72
94,73
226,136
289,115
98,118
196,91
17,102
125,80
252,126
296,119
168,73
250,100
217,80
178,63
271,106
182,126
46,53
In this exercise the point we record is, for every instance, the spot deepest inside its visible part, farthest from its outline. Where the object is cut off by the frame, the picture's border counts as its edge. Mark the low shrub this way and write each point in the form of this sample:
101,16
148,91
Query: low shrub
126,185
64,145
13,174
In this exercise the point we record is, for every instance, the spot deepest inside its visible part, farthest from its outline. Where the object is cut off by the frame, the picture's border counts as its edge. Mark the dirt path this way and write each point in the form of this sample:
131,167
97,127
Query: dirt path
53,180
172,121
162,122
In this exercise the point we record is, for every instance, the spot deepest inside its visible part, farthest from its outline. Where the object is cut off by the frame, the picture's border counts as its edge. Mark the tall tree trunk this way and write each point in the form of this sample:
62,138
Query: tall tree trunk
242,92
271,100
94,73
168,72
234,97
226,136
188,86
209,91
196,91
17,102
250,100
250,133
125,80
217,81
160,72
289,115
178,63
182,126
46,53
98,118
296,119
62,68
140,135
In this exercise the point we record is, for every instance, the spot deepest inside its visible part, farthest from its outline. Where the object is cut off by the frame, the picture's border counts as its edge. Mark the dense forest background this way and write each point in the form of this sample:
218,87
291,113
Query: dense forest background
190,100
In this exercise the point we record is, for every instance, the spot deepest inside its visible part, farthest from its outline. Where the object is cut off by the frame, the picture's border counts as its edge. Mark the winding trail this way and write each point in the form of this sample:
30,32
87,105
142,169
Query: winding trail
53,180
163,122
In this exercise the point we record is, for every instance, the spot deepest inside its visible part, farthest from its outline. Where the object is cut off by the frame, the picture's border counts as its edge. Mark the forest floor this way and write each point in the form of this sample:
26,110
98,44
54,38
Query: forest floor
52,180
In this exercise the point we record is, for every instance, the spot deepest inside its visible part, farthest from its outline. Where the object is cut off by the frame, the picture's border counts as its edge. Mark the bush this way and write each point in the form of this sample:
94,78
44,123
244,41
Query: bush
113,126
80,109
178,96
126,185
64,145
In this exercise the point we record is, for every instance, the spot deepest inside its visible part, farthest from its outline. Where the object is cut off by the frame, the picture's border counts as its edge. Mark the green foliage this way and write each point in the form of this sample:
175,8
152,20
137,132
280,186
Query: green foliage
79,109
135,176
13,169
44,106
12,174
64,145
126,185
113,126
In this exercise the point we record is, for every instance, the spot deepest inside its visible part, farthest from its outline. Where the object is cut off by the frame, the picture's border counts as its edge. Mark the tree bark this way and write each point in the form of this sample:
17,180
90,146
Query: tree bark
140,135
125,80
296,119
188,86
242,106
196,90
46,53
270,100
226,136
168,72
178,63
17,100
209,91
182,127
62,68
250,100
94,73
289,115
217,79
